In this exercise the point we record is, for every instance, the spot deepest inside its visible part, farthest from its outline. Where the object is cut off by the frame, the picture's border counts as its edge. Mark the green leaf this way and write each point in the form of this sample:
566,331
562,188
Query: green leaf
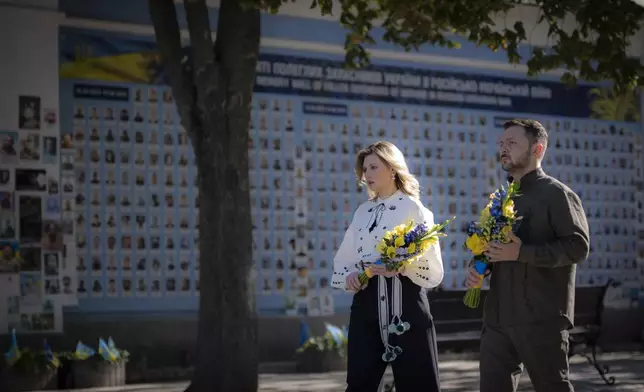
595,50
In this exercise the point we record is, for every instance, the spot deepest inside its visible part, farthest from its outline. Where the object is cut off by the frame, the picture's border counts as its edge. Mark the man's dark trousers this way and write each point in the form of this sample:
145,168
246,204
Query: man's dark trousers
542,348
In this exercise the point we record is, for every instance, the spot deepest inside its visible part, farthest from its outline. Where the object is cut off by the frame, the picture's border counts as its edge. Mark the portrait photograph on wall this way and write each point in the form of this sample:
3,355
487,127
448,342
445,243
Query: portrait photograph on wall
29,116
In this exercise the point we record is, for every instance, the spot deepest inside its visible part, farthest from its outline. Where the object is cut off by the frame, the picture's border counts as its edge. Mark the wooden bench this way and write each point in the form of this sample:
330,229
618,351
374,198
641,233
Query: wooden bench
457,326
586,336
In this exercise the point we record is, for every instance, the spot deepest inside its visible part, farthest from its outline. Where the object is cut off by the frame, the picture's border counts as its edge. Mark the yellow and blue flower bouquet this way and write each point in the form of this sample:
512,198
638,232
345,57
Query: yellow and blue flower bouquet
495,223
404,244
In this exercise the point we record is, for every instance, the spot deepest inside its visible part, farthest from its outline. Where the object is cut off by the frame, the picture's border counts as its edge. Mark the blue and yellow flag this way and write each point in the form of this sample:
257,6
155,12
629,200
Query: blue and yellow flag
51,357
105,352
336,333
83,351
305,333
13,355
112,346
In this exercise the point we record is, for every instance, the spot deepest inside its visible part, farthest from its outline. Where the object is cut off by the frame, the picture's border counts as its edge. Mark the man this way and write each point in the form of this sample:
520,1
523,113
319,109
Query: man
530,304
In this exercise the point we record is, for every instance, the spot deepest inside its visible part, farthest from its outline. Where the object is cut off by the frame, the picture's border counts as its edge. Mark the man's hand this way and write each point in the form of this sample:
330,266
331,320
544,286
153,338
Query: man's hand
473,279
380,269
353,282
504,252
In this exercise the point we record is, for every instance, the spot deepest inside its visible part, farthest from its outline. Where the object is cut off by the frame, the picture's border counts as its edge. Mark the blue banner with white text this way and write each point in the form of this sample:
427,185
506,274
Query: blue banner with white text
128,59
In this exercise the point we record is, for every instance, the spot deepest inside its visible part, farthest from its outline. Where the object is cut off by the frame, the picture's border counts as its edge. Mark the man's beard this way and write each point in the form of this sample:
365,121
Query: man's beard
513,165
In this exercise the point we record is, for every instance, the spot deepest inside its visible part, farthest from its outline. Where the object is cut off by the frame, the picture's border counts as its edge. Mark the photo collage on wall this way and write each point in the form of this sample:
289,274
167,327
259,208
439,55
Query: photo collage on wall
602,163
300,216
283,211
35,278
133,197
449,152
128,179
128,174
453,153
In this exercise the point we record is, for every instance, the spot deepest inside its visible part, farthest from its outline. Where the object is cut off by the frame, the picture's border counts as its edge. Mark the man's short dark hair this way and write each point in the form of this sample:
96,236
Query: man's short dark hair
535,132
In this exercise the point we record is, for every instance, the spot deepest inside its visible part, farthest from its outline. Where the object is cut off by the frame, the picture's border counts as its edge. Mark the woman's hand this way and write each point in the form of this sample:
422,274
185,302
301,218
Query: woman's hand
380,269
353,282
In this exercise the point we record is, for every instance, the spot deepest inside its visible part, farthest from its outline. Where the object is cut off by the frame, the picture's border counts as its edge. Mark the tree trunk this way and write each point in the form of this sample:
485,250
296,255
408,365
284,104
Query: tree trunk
213,98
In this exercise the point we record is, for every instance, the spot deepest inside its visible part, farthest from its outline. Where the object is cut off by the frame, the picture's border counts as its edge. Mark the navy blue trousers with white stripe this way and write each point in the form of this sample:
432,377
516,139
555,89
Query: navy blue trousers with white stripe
416,369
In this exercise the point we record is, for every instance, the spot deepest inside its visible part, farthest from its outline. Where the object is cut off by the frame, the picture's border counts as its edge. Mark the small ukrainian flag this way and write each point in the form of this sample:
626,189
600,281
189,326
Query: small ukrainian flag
83,351
105,351
13,355
305,333
50,355
335,332
112,346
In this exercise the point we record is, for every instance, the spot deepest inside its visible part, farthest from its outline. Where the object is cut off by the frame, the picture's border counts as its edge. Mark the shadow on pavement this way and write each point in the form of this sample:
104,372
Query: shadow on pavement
456,376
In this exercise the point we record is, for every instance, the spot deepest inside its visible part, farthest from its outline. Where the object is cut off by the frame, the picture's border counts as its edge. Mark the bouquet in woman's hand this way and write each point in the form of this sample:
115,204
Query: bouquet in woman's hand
496,222
405,244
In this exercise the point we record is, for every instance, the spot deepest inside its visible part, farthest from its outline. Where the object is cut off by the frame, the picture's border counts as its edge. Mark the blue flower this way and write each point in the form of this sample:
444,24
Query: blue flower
418,232
472,228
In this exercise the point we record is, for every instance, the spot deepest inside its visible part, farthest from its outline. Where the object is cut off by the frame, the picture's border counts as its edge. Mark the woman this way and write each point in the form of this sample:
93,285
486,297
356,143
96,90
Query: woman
392,298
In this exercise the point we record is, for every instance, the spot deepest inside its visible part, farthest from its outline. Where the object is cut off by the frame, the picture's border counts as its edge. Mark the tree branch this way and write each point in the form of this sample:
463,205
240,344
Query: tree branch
594,48
168,37
205,72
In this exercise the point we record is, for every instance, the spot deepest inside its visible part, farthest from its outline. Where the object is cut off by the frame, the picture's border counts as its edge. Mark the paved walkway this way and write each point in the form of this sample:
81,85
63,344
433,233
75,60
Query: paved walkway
456,375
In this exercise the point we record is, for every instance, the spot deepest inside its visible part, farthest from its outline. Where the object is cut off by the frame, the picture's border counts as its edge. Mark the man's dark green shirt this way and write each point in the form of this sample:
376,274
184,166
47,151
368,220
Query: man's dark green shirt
540,285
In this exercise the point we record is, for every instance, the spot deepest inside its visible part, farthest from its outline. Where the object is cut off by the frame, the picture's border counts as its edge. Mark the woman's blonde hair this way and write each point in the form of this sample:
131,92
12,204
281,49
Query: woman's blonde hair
395,160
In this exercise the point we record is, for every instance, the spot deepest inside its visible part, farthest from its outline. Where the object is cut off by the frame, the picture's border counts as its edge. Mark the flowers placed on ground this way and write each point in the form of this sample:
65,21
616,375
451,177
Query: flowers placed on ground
334,339
106,350
30,361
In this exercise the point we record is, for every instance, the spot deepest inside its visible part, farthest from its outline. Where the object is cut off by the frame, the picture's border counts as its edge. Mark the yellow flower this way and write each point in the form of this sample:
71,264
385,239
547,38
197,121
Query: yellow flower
424,245
399,230
506,230
391,252
411,248
475,244
382,246
400,241
508,209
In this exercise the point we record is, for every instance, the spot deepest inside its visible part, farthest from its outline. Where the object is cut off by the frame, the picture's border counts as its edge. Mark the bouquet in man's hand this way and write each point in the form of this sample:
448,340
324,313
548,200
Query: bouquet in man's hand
495,223
405,244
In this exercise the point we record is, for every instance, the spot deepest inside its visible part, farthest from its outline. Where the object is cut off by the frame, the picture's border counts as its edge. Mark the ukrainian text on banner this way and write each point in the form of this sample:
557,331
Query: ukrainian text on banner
414,86
135,60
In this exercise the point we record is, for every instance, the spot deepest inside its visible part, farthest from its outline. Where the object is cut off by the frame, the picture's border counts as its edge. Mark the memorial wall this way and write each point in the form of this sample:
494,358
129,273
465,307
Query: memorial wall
99,208
135,203
37,250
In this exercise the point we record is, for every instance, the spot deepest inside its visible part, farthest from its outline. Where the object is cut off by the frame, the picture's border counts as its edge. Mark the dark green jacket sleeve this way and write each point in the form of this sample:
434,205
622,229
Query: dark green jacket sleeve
568,220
